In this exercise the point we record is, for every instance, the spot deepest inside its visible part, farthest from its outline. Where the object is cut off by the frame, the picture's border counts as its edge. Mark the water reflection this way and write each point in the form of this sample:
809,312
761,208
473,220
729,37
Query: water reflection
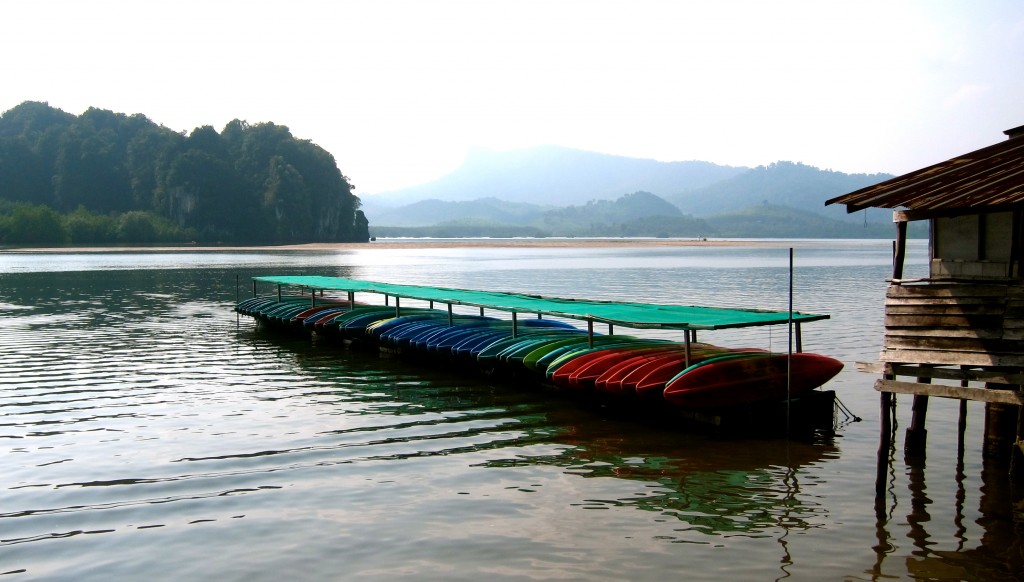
999,554
713,487
144,433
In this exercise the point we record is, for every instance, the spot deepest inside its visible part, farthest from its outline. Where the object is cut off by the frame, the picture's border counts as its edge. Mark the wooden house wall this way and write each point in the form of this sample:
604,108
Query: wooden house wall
954,324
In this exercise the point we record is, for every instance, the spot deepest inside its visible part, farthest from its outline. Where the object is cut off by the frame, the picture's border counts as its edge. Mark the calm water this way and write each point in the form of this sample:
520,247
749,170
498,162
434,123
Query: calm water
146,434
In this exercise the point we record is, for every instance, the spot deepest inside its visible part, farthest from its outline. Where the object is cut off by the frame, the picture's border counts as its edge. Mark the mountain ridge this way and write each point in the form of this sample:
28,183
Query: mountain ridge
732,196
546,173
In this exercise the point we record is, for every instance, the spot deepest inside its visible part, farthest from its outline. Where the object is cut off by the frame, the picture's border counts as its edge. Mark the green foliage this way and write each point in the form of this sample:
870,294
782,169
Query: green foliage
86,227
32,224
250,184
136,226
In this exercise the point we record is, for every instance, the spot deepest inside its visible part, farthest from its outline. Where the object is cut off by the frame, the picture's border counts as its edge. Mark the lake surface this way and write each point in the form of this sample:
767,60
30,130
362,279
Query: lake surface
147,433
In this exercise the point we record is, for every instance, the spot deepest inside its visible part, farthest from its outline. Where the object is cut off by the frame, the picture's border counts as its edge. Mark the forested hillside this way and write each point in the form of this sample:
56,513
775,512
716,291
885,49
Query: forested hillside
784,184
109,177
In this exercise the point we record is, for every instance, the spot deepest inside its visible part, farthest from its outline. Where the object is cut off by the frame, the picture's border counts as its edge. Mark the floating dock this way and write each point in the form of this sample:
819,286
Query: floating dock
532,339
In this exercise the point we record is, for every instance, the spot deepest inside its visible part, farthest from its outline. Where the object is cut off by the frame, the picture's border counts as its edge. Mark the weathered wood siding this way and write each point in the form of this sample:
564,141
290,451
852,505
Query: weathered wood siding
954,324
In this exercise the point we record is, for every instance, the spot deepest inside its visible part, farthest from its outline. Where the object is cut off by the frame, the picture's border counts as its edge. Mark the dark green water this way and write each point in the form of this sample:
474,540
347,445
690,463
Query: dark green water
147,434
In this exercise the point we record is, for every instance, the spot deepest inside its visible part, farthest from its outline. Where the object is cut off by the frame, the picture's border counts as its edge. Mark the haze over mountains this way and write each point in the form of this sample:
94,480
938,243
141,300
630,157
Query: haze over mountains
557,191
554,174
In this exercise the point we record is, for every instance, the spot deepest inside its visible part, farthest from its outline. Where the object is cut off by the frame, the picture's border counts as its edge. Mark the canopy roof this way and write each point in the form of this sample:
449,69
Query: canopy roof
635,315
985,179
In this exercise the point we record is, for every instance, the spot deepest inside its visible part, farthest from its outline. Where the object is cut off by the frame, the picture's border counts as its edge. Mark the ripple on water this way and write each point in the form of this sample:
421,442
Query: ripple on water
147,435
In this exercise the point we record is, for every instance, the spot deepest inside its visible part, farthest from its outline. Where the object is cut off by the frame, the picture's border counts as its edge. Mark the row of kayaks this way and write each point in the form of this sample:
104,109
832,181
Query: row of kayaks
701,377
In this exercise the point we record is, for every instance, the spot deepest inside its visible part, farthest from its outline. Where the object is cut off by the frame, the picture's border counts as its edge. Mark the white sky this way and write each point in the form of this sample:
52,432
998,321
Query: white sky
400,90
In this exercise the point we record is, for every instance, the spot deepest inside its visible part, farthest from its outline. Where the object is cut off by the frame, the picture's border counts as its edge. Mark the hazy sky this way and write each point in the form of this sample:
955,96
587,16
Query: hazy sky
400,90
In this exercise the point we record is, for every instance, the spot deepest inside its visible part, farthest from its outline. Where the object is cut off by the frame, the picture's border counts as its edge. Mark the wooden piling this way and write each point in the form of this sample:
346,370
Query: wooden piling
1017,453
886,400
916,439
1000,430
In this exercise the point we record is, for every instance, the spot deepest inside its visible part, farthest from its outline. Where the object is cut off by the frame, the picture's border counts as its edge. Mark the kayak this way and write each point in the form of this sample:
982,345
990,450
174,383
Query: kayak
725,382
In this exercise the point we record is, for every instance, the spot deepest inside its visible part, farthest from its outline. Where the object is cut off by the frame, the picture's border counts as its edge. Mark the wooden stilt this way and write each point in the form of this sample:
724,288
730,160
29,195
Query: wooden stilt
900,252
884,443
917,435
1017,454
1000,430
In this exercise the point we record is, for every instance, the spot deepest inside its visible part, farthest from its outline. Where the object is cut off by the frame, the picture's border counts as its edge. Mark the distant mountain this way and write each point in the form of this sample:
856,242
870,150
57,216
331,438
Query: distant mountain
553,191
783,184
554,175
774,221
482,210
646,215
606,217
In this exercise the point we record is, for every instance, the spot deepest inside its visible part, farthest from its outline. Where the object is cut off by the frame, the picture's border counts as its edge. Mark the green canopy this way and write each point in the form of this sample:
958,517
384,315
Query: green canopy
634,315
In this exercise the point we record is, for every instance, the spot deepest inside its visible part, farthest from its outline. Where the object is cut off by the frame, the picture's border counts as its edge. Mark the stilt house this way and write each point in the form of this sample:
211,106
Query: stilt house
959,333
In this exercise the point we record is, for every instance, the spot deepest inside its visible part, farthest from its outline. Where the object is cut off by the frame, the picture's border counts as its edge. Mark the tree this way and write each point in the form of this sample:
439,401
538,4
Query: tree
34,224
251,183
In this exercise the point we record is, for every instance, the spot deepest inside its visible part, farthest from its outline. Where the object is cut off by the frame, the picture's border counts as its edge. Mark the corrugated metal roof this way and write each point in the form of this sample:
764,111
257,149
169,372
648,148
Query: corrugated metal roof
991,176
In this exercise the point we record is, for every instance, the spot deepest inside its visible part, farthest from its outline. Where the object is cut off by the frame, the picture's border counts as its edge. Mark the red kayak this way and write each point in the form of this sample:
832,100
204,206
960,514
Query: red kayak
611,379
586,375
561,376
724,382
656,377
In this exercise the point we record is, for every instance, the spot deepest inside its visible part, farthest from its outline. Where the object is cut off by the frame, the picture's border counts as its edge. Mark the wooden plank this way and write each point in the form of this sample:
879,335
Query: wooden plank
968,333
983,321
940,357
872,367
958,392
927,214
924,301
945,309
946,291
998,346
969,374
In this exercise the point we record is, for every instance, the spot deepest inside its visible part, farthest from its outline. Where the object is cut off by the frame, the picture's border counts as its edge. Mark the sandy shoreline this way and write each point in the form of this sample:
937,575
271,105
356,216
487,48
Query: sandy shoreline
411,244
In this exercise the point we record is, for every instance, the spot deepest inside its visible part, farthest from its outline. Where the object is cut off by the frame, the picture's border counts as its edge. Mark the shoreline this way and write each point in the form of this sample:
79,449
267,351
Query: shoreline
410,244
